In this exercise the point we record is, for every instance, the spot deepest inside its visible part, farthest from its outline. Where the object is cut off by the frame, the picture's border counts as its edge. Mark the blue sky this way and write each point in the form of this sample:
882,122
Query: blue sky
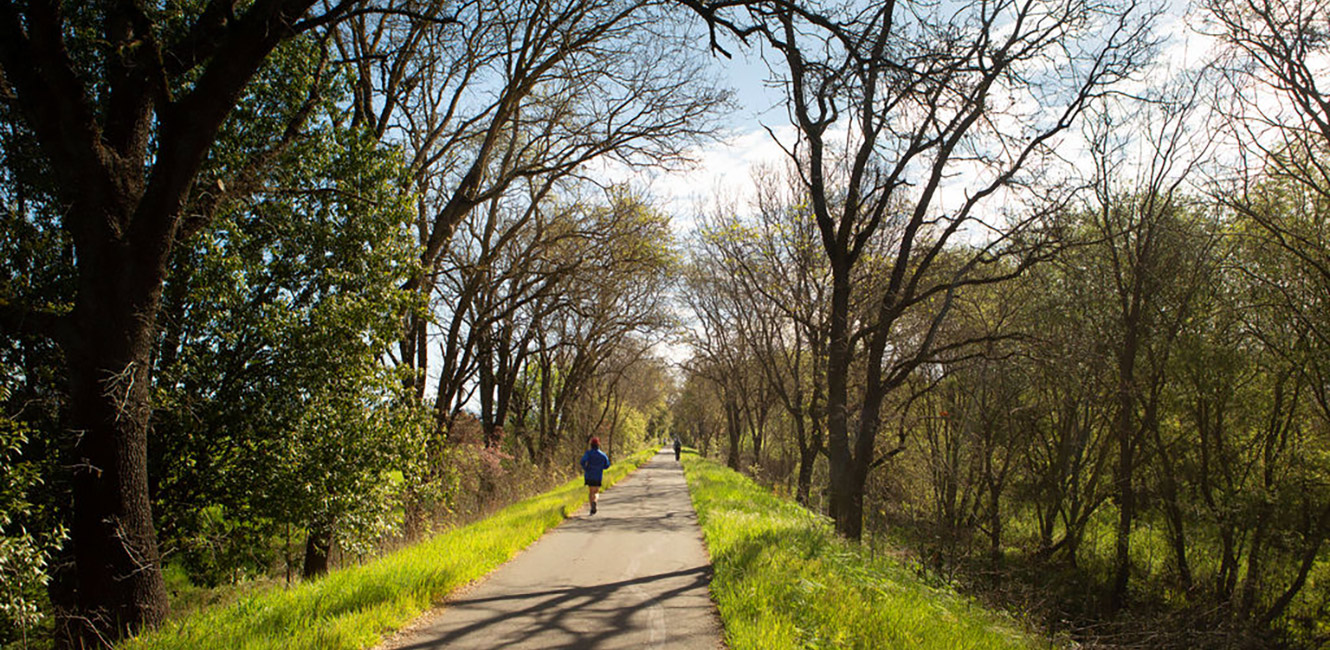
725,166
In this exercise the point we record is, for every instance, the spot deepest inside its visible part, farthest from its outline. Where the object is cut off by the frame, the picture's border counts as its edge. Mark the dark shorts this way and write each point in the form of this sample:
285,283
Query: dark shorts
591,483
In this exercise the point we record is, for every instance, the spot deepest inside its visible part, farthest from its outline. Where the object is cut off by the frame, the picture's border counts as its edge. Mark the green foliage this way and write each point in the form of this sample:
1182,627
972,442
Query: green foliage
35,273
660,423
356,607
784,580
275,320
24,554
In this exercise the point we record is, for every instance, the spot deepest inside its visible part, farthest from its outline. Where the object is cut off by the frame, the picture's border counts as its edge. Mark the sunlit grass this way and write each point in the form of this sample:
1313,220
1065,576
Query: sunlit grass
355,607
784,580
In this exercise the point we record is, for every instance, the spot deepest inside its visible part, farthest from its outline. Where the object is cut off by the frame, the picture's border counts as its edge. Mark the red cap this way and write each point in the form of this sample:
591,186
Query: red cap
595,442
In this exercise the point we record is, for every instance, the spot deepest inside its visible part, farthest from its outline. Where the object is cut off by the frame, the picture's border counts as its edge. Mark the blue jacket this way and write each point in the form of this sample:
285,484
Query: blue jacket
594,461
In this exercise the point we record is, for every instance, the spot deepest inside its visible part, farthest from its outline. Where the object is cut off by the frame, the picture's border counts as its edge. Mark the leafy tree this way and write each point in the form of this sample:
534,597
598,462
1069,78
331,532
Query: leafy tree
25,551
271,372
696,413
614,304
34,262
124,103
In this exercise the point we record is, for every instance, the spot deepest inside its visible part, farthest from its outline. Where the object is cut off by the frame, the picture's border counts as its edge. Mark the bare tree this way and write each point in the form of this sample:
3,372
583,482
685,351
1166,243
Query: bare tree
1156,254
1274,60
768,270
485,95
910,119
1278,106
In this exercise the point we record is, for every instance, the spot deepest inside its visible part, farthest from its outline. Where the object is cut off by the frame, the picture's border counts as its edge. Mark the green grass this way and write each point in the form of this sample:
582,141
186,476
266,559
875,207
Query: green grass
357,606
783,579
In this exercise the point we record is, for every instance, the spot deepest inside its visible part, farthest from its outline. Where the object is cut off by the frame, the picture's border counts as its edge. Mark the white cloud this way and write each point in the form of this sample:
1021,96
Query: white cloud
724,168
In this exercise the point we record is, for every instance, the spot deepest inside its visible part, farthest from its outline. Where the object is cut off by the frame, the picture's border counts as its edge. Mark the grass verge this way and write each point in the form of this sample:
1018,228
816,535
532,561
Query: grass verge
783,579
355,607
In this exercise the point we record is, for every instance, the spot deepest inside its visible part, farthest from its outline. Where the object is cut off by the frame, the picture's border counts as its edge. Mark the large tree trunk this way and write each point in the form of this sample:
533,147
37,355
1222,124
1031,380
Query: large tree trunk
120,587
848,504
124,169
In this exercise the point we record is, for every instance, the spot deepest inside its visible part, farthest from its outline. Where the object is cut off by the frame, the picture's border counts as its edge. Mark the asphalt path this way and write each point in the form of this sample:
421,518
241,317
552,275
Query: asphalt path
634,575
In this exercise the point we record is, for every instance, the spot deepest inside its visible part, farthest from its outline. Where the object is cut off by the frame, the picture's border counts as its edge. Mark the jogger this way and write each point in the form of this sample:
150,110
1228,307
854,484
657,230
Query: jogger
594,463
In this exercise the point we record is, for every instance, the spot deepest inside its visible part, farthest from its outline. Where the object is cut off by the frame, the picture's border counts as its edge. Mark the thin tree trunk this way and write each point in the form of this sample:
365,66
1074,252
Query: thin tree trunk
1252,583
839,461
807,459
1227,579
734,429
1172,511
1126,499
1123,481
1308,561
995,522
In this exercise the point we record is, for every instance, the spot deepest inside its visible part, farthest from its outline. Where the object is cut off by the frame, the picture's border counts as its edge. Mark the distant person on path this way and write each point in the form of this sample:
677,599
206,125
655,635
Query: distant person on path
594,462
678,447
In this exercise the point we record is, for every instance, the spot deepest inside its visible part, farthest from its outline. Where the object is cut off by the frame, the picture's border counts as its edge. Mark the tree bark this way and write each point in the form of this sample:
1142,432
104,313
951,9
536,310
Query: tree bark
849,508
808,452
120,586
839,460
995,523
1126,500
1173,514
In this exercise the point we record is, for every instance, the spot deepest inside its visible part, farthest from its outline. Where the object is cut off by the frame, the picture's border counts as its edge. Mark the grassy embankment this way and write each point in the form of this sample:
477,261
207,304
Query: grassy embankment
784,580
355,607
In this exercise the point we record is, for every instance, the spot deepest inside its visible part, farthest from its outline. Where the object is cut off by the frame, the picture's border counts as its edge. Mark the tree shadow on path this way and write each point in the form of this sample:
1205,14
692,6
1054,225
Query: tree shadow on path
603,612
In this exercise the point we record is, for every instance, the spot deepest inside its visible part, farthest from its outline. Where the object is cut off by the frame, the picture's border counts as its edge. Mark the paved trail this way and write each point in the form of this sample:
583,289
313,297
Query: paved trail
634,575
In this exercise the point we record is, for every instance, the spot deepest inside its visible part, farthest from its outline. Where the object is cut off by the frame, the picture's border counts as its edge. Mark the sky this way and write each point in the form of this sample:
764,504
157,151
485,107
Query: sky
725,166
747,141
744,143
